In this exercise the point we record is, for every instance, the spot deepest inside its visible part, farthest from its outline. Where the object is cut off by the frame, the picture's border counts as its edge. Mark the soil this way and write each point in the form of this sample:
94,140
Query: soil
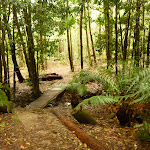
42,130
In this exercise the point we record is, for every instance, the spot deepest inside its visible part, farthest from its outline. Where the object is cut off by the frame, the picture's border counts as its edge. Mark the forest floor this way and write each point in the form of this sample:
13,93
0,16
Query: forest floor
42,130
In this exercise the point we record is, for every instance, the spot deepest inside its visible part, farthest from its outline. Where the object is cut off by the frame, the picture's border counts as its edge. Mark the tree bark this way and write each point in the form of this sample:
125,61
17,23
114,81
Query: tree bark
69,45
148,47
30,45
137,34
107,30
94,55
116,43
22,41
87,40
143,40
126,38
19,75
81,43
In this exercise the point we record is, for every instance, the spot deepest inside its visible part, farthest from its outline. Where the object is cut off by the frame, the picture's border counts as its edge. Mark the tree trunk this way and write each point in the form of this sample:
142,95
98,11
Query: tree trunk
3,56
148,47
137,34
14,72
0,54
19,75
81,44
121,34
143,40
30,45
87,40
94,55
107,30
61,44
22,41
69,45
126,38
0,65
116,43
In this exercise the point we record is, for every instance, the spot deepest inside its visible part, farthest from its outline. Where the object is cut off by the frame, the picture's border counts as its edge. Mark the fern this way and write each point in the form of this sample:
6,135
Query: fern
142,79
96,101
87,76
140,87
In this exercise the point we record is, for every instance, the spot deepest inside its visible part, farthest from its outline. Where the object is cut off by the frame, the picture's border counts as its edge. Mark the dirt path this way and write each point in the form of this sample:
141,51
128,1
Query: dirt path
43,126
48,131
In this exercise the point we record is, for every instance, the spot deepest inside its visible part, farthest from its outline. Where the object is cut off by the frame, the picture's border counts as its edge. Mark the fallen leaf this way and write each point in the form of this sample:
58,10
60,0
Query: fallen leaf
22,147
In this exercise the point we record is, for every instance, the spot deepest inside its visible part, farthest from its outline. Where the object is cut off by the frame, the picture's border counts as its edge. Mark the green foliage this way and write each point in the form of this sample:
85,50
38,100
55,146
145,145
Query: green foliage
96,101
144,134
140,87
77,88
3,98
104,78
130,85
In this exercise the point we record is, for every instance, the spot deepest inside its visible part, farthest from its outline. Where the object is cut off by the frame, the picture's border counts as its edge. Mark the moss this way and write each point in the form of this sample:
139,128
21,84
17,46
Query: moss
83,117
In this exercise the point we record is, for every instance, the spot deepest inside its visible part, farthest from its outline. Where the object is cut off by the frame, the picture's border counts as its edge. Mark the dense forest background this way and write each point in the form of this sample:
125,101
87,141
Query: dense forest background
114,32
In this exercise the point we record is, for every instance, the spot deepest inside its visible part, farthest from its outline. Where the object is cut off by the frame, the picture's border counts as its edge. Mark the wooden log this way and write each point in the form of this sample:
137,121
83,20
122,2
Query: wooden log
82,135
49,77
83,116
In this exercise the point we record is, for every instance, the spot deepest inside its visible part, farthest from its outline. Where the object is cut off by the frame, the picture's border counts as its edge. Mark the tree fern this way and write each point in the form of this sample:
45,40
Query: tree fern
96,101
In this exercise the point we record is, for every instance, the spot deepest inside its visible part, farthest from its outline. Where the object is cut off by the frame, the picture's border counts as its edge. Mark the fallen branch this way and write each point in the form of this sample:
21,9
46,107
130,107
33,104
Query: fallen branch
82,135
49,77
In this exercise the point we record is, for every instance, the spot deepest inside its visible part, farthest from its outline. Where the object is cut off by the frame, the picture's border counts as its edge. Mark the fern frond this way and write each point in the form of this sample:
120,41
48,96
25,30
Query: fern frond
96,101
105,79
108,82
143,77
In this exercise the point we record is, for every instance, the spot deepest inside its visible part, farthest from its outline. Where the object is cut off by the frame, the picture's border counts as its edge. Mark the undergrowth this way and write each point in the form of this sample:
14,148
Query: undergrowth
131,85
3,98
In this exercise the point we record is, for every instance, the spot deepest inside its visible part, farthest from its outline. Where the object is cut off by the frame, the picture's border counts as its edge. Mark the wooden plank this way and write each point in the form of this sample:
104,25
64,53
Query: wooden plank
47,97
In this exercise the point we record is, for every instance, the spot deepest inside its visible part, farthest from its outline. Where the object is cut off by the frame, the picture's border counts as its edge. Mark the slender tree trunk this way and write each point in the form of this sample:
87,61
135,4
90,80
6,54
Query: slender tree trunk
69,51
30,44
137,34
3,56
116,43
107,30
19,75
148,47
69,45
14,73
87,40
81,43
0,52
0,64
61,44
121,35
94,55
143,39
22,41
126,38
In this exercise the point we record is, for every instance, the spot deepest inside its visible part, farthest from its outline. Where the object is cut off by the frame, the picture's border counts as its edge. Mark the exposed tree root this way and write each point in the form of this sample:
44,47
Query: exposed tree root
82,135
